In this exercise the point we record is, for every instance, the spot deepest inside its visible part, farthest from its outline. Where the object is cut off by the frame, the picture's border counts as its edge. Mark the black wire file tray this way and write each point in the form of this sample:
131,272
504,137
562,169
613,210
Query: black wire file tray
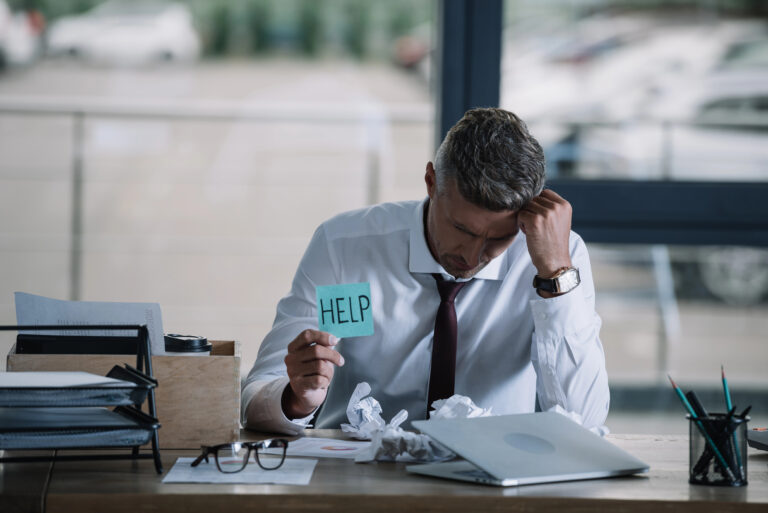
74,428
43,389
79,410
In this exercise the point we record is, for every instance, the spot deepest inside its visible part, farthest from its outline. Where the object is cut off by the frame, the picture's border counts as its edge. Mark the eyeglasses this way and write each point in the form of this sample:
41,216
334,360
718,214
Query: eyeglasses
231,458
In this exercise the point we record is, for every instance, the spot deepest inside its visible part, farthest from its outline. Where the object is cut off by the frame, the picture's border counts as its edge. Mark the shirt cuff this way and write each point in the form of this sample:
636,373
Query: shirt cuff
559,316
264,410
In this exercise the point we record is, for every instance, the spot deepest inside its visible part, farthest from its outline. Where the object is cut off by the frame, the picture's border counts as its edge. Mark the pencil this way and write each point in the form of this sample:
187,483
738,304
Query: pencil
726,391
701,428
729,407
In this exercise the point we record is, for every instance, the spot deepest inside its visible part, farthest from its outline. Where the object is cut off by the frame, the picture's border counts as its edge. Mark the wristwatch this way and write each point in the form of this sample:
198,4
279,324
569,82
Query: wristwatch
564,280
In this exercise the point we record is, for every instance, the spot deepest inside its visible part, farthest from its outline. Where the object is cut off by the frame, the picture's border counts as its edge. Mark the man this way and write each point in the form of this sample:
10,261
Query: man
455,269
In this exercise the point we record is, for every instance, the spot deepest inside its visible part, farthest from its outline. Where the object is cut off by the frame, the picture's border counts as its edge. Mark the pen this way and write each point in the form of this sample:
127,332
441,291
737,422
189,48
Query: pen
701,428
727,393
696,405
730,426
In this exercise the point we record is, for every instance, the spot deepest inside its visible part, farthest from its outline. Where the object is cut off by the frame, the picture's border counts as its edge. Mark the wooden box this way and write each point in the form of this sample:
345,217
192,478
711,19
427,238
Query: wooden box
197,397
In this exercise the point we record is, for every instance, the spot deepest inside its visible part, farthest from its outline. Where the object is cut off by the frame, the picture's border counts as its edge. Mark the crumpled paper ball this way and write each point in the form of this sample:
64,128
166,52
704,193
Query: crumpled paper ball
390,442
393,443
364,414
598,430
457,407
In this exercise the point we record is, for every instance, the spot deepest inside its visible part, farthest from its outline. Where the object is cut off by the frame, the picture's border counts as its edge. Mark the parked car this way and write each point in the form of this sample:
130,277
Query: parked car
127,32
737,98
746,54
713,129
20,36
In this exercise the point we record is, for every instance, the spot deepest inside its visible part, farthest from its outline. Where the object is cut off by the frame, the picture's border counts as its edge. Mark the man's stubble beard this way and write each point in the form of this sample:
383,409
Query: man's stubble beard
456,273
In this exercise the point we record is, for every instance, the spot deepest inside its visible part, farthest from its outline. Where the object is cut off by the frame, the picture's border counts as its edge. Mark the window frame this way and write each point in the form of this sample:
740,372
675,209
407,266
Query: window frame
469,35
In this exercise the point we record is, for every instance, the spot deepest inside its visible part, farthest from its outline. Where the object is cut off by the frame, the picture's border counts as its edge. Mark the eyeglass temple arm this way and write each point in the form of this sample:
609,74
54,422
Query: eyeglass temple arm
200,458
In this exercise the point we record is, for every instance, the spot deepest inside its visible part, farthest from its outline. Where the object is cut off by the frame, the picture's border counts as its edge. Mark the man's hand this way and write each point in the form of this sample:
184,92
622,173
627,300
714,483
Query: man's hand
546,223
310,362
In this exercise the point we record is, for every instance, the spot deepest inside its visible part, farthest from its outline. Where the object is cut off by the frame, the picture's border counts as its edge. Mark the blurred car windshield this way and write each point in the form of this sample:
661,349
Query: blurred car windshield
748,54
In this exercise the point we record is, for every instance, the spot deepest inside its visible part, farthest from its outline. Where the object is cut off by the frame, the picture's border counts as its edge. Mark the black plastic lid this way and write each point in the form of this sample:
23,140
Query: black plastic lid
175,343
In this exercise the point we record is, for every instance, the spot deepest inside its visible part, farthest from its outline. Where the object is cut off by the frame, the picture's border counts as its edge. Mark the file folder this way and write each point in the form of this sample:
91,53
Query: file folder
40,389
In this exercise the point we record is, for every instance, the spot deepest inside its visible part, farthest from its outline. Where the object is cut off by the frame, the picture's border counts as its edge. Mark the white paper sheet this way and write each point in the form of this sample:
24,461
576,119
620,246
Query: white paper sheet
57,379
32,309
325,448
292,472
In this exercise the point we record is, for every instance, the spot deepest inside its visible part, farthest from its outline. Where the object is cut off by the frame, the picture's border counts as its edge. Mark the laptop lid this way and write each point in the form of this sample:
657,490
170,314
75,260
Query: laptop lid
532,447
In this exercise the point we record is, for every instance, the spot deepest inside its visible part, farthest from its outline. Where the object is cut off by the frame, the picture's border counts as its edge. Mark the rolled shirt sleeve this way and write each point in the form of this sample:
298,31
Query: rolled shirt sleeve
263,410
566,350
262,392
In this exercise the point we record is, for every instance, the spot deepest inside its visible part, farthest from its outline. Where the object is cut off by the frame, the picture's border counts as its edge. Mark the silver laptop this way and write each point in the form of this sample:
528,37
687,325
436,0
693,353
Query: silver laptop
512,450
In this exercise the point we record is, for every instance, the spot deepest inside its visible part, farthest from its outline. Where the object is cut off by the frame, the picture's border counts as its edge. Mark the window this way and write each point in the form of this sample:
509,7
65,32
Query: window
185,154
651,117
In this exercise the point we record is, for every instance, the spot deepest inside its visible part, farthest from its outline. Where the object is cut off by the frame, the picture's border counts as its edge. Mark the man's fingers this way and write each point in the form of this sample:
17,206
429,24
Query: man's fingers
318,352
310,363
544,205
313,354
544,202
313,382
314,368
553,201
533,208
308,337
551,195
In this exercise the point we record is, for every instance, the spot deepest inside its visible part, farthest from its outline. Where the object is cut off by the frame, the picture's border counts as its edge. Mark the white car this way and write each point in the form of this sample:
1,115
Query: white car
127,32
19,36
714,129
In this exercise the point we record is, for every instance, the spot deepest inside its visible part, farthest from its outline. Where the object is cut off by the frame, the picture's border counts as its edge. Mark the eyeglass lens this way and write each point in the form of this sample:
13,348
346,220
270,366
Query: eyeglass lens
271,454
232,458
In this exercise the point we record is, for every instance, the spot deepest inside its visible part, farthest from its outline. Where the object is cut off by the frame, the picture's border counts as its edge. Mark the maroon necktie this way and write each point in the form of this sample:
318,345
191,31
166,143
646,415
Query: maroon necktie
443,371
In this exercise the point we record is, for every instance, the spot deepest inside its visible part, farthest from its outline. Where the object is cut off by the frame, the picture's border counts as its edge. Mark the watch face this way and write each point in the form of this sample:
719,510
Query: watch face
568,280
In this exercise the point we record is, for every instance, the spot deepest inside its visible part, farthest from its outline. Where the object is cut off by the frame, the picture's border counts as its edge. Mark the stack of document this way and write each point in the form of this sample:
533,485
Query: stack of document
57,410
39,310
33,389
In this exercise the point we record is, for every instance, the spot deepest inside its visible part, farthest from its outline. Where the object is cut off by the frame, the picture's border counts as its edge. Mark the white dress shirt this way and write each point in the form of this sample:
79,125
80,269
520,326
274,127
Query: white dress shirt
512,345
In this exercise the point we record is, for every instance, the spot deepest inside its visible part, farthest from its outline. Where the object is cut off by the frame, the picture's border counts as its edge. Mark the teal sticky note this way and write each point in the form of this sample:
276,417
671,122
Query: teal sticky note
345,310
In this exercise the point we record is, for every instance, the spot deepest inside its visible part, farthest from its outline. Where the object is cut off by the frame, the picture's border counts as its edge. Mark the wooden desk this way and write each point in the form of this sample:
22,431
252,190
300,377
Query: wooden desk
342,485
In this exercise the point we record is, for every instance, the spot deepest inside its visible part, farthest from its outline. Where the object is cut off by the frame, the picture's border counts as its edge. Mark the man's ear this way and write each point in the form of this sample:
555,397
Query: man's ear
431,180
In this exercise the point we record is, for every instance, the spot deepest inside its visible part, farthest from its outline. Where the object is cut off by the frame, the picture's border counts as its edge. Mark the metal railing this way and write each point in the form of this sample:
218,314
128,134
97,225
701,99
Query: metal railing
371,117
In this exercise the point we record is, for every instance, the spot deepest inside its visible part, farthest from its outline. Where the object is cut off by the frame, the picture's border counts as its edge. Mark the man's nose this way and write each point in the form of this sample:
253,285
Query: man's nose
472,252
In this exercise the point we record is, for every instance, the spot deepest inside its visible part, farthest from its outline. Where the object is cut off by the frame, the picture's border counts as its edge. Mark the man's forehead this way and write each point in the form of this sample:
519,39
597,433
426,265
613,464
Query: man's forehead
480,221
493,224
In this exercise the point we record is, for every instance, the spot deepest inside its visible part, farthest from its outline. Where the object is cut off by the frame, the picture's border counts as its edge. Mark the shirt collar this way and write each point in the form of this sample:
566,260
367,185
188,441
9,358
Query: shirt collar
421,261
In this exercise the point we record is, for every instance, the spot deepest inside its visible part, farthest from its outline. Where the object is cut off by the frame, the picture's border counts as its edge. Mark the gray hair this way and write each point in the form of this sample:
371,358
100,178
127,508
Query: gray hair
496,163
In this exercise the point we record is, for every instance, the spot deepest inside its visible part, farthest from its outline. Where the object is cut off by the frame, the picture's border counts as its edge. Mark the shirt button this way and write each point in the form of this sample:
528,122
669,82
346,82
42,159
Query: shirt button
542,316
